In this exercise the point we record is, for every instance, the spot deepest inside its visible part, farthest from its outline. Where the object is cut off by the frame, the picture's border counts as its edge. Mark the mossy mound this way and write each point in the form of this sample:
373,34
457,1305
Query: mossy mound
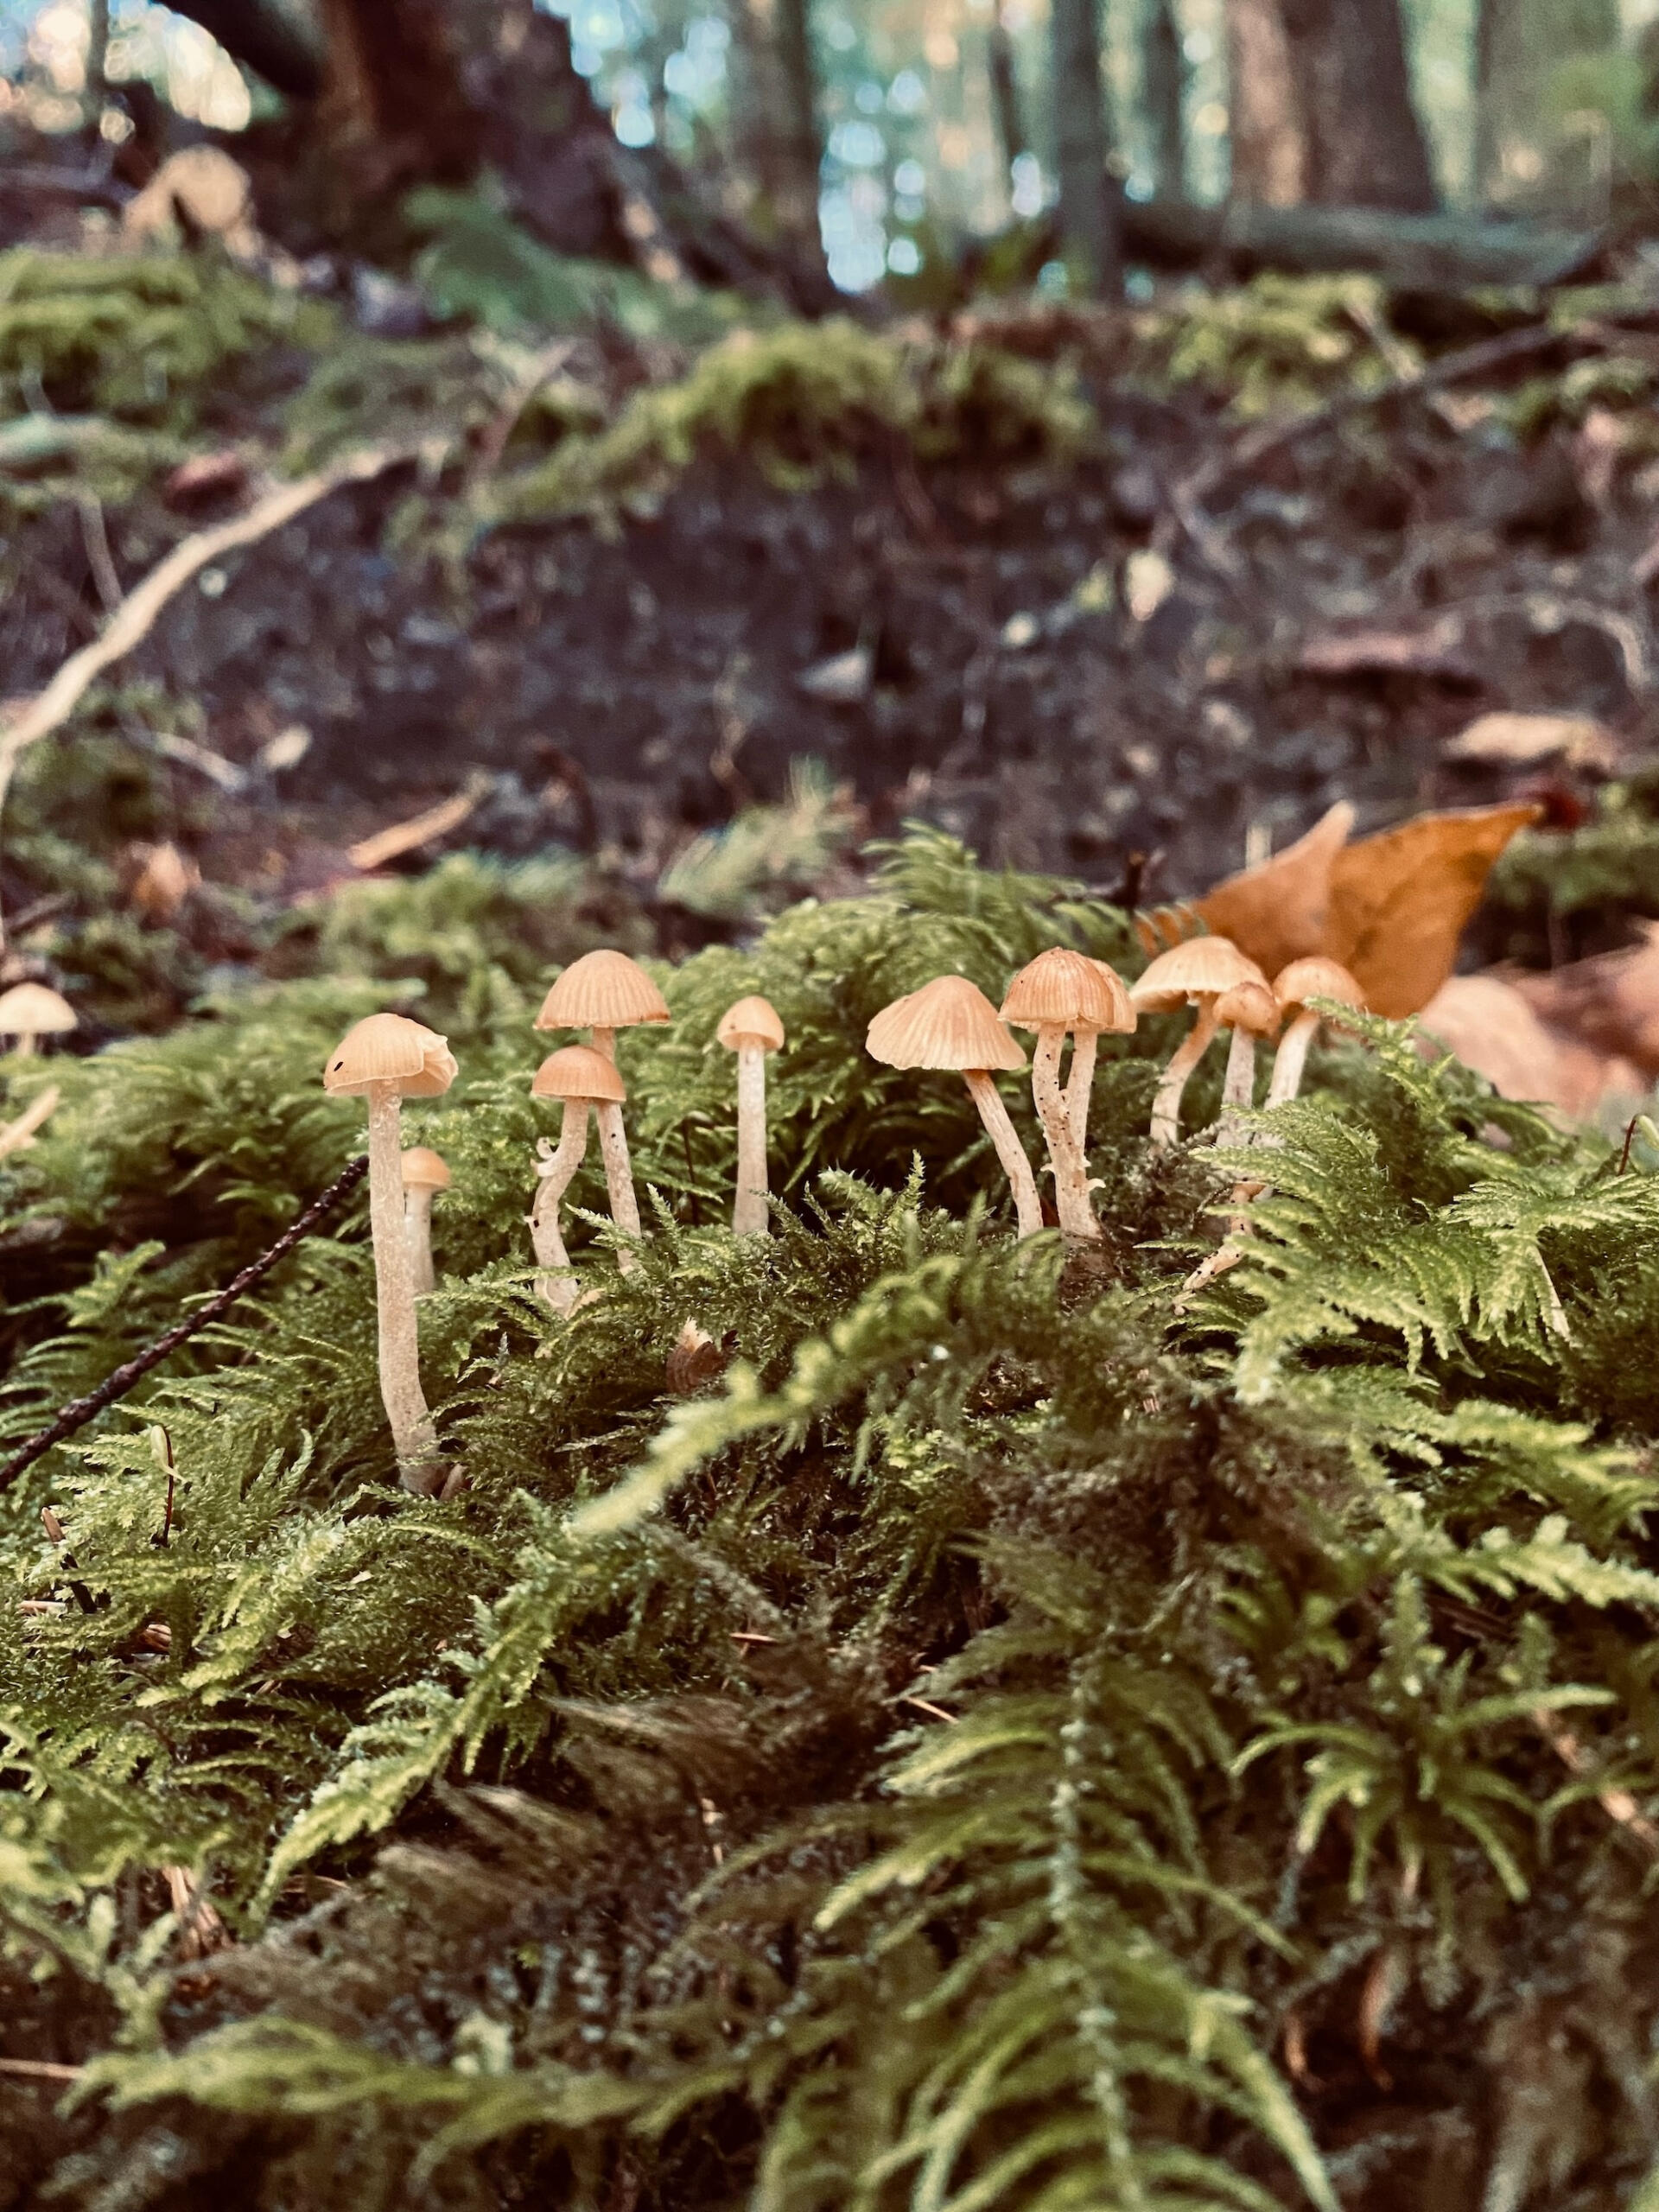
1005,1742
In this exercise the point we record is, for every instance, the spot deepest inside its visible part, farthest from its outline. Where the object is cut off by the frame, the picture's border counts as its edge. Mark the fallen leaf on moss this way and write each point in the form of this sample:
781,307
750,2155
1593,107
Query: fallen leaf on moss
1489,1025
1609,1003
1279,912
1399,901
1522,741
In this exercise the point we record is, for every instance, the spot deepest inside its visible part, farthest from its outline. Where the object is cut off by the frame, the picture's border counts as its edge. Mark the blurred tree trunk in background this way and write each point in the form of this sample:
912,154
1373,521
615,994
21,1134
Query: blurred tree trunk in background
1006,116
1089,225
1163,85
779,145
1322,109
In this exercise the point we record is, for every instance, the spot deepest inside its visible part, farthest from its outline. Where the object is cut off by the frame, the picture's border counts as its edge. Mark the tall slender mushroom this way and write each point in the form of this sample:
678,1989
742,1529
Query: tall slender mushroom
385,1059
30,1011
1194,974
1057,992
605,991
1314,977
582,1078
1080,1083
425,1173
751,1029
950,1023
1249,1010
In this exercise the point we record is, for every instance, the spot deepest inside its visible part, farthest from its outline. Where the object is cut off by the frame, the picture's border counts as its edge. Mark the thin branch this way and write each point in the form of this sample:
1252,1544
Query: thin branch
136,616
77,1415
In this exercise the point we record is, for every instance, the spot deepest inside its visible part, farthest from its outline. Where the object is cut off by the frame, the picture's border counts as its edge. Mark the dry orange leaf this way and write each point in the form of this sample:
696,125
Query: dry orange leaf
1278,912
1399,901
1610,1002
1490,1025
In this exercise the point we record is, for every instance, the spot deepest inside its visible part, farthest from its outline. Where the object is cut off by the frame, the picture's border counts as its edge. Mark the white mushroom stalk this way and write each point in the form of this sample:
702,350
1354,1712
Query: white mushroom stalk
1315,978
582,1078
1249,1011
751,1029
950,1023
385,1059
1080,1078
424,1175
1196,973
1054,994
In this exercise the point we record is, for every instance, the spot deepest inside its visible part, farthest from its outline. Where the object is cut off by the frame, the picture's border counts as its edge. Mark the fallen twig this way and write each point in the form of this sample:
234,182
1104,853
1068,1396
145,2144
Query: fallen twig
1617,1804
20,1133
41,2070
76,1415
136,616
402,837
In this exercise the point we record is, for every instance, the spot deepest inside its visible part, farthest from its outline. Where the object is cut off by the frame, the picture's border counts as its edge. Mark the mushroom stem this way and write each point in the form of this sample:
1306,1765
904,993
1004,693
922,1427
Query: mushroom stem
413,1436
1292,1058
418,1228
1166,1100
1238,1085
605,1042
1080,1083
619,1171
25,1047
1009,1150
556,1172
749,1214
1071,1171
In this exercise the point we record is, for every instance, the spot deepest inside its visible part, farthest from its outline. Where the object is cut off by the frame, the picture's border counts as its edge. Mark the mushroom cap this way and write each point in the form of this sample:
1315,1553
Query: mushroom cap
603,990
1315,978
949,1023
578,1071
1202,968
1250,1007
390,1048
34,1010
1069,989
751,1022
1115,984
425,1169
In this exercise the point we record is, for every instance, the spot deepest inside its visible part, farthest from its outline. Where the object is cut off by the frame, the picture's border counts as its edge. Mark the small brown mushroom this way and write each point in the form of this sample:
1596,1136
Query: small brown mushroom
751,1029
385,1059
1194,974
582,1078
424,1174
28,1011
1249,1010
603,991
1058,992
1314,977
950,1023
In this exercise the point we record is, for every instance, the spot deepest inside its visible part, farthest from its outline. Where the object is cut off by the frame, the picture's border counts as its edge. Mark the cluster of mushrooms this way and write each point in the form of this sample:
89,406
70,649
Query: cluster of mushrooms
949,1023
387,1058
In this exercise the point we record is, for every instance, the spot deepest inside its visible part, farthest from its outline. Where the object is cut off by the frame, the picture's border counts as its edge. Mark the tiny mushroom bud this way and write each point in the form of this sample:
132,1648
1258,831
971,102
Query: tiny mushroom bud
385,1059
1249,1010
424,1174
950,1023
1057,992
751,1029
582,1078
1194,974
32,1010
1314,977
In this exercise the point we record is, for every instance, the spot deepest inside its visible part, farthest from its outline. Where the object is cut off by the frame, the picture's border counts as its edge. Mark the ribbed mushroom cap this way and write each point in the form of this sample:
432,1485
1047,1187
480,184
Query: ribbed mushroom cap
578,1071
603,990
751,1022
1202,968
949,1023
1250,1007
34,1010
1315,978
425,1169
1067,987
390,1048
1128,1018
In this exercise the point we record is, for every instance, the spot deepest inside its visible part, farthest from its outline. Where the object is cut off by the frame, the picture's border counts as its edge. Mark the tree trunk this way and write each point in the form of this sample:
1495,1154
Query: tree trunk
1163,85
1088,199
1265,126
778,131
1009,122
1364,143
1487,34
